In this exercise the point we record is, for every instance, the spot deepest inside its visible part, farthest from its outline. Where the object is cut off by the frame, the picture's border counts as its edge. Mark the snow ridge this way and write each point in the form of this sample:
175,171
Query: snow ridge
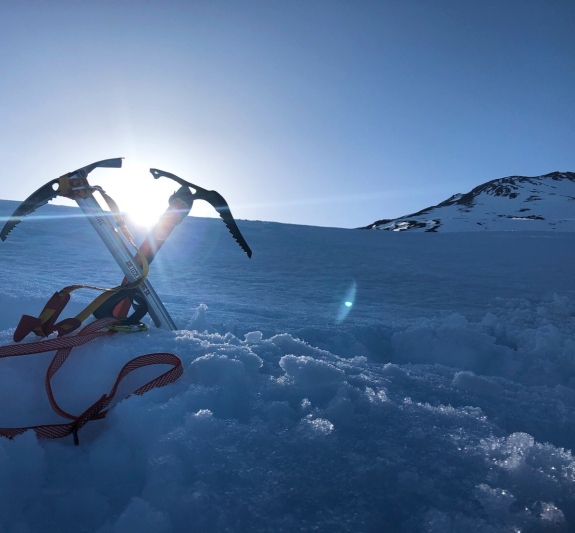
514,203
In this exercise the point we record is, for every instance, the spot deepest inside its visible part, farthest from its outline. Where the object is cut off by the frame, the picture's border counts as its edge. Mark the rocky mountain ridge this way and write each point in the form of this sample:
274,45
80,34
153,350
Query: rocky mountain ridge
514,203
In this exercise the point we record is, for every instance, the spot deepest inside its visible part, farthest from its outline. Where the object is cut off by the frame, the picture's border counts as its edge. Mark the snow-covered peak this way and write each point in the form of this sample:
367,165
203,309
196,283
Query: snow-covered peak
514,203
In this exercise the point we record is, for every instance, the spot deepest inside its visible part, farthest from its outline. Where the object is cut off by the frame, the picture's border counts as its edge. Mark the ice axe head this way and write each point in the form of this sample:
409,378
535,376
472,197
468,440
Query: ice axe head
216,200
49,191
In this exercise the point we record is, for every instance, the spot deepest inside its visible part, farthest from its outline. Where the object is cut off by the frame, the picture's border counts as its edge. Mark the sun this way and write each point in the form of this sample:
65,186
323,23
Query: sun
140,197
143,214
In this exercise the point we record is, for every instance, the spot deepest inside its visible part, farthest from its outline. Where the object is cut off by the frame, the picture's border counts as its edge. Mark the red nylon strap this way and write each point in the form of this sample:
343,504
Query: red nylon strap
98,409
45,323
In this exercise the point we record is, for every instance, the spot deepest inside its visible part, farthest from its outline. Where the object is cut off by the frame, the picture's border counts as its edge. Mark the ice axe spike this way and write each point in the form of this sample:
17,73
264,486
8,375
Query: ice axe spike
48,192
216,200
116,162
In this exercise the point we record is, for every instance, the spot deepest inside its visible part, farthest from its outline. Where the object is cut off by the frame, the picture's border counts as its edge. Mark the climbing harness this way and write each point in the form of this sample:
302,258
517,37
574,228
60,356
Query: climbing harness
112,306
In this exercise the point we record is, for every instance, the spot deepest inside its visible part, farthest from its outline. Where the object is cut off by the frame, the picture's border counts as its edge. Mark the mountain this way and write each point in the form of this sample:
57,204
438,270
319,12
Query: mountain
515,203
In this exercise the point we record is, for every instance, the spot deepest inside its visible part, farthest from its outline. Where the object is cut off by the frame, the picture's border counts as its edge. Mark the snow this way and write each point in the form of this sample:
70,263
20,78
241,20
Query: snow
441,400
515,203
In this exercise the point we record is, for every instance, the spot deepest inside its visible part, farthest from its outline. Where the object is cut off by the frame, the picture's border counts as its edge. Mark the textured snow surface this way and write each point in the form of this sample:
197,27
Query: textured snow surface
441,400
516,203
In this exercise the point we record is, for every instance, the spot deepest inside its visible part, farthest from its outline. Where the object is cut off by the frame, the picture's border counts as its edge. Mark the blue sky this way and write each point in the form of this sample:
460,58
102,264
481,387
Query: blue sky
325,113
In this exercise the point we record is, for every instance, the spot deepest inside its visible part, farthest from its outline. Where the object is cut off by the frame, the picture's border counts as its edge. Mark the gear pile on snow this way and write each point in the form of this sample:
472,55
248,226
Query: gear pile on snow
111,308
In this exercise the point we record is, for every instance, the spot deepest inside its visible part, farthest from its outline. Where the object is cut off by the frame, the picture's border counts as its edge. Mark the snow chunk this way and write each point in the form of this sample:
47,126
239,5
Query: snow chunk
142,517
254,337
212,369
199,322
552,514
316,427
495,501
451,342
312,378
481,386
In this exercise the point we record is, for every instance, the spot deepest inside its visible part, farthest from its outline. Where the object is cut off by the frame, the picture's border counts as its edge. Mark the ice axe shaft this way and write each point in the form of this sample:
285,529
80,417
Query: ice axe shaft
120,252
180,205
101,223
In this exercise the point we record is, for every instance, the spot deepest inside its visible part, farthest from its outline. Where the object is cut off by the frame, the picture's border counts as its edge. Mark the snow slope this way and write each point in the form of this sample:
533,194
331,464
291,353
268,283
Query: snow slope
441,400
516,203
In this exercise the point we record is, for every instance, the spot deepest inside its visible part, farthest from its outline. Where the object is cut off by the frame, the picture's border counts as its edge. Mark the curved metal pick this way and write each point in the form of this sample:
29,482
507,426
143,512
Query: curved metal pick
216,200
48,192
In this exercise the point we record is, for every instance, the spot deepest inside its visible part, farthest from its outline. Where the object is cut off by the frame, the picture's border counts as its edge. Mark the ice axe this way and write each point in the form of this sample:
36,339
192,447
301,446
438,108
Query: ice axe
74,185
216,200
180,205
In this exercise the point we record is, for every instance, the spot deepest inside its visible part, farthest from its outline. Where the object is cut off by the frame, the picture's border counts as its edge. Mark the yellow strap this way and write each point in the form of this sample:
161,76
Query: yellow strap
90,308
107,293
64,189
115,210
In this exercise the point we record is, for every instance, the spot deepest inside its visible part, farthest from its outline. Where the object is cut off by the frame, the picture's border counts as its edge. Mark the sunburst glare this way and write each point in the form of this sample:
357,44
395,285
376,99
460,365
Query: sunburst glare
141,198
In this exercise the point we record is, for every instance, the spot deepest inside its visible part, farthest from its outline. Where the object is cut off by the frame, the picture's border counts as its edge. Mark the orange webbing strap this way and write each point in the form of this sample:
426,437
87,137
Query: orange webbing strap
100,408
117,214
107,293
45,323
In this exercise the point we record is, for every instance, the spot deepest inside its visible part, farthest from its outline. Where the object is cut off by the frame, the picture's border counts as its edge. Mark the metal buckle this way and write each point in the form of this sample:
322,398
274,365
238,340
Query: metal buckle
129,328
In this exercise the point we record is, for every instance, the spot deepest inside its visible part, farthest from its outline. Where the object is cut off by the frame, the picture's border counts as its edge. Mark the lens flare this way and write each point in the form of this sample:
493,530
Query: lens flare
347,303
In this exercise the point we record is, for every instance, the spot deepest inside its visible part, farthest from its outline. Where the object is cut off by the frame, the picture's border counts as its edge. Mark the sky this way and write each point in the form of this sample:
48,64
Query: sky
325,113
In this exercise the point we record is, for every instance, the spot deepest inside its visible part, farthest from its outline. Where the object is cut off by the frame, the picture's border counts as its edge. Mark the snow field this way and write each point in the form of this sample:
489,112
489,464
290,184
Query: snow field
443,400
266,434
